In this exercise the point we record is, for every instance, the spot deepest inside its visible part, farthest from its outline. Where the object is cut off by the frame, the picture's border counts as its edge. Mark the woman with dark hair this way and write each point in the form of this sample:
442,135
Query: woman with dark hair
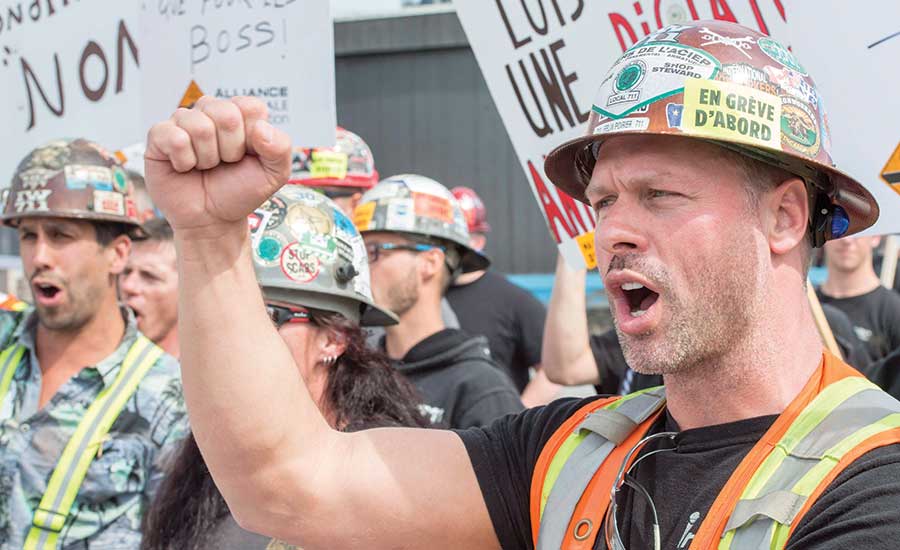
313,271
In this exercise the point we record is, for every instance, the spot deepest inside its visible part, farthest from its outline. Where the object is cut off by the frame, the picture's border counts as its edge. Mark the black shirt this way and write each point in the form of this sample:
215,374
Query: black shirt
616,377
876,319
461,385
861,508
510,317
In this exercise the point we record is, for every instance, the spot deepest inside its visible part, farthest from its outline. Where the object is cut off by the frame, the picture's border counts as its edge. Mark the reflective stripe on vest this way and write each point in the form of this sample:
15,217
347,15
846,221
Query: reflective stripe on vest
9,361
578,459
846,418
71,469
841,417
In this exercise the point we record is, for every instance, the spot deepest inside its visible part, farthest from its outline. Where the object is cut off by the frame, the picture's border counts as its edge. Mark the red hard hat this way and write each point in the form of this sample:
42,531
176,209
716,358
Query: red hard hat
473,209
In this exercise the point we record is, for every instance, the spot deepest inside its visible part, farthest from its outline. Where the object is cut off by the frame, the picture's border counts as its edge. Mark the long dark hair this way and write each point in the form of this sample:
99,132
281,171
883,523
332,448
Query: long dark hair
362,391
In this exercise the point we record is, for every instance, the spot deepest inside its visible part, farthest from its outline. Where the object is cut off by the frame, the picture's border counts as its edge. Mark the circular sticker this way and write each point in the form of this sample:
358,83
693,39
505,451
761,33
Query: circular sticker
303,219
278,208
780,54
120,181
299,263
799,127
631,76
268,251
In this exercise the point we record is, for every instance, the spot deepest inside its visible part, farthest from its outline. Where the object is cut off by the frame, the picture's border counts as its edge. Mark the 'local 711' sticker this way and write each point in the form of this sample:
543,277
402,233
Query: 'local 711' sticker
731,112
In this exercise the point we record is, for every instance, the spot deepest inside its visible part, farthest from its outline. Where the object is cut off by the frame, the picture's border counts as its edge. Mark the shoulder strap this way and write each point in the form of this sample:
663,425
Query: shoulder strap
53,510
842,416
575,471
9,362
837,417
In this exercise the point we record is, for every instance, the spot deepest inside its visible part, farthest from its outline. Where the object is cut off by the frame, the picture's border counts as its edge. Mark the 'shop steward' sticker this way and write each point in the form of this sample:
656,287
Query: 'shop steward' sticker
627,89
731,112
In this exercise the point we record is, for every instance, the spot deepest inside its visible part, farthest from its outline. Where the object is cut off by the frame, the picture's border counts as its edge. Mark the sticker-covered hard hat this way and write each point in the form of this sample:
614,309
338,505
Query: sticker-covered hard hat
71,178
307,252
723,83
349,163
416,205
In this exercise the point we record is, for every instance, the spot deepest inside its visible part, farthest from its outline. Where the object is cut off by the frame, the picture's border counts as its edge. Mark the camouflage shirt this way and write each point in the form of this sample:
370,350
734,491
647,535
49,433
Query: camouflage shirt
121,479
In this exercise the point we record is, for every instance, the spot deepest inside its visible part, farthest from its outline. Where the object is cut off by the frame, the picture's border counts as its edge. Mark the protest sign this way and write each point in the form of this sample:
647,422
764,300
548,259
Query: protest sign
855,64
543,62
281,51
69,69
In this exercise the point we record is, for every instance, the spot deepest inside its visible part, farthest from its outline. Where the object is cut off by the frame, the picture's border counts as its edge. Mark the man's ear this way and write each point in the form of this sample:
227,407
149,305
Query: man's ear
117,252
788,215
432,263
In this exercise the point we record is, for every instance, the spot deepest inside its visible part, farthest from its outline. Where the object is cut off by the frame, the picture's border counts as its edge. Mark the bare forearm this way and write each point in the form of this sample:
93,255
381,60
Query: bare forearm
240,380
540,390
566,356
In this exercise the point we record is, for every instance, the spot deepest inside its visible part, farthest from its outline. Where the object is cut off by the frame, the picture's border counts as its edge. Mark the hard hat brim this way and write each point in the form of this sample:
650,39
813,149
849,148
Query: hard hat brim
567,168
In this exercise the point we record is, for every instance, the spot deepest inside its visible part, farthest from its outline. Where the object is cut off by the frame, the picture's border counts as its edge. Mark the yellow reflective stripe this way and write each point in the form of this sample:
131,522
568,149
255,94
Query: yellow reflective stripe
572,442
71,469
9,360
808,483
809,418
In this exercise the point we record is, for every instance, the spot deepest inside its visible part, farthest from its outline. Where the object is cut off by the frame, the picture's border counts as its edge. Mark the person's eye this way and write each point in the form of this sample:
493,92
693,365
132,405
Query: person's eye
604,202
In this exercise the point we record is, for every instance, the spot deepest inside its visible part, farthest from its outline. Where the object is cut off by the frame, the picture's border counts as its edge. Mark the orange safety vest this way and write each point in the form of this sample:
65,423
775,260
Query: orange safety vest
836,418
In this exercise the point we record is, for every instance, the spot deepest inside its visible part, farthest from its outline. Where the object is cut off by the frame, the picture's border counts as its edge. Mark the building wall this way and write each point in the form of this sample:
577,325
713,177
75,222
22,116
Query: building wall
410,86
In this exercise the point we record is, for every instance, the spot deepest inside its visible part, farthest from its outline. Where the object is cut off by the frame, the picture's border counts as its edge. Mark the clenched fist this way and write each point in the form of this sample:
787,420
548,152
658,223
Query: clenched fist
209,167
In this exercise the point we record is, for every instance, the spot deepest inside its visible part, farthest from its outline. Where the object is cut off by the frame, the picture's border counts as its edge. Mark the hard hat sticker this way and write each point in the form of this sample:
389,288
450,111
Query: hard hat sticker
299,264
268,251
799,128
328,164
636,124
31,201
626,90
362,216
400,215
780,54
432,206
109,202
731,112
80,176
33,178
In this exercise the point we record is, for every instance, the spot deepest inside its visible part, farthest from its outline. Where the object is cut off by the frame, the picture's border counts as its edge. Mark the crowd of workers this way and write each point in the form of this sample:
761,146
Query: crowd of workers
310,301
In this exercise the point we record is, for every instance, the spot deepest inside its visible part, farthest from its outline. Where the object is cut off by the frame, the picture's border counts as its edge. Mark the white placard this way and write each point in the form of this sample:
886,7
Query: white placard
857,70
67,69
543,62
281,51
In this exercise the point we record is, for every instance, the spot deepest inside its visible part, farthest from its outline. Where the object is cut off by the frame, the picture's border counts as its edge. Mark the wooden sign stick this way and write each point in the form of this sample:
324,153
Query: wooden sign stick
821,321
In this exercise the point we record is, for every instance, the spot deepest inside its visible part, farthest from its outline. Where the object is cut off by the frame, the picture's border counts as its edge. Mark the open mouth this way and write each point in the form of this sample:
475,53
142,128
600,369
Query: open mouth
46,290
640,298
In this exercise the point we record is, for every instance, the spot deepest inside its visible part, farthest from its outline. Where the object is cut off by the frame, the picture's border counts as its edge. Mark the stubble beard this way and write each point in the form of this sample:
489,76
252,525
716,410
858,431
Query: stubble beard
700,333
403,295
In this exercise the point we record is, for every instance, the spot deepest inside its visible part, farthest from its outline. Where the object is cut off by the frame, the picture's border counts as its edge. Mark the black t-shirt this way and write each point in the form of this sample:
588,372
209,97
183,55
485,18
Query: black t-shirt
616,377
510,317
876,319
861,507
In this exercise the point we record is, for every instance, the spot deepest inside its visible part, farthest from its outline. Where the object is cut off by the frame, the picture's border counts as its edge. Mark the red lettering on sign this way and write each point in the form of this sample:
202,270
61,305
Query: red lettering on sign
549,206
573,210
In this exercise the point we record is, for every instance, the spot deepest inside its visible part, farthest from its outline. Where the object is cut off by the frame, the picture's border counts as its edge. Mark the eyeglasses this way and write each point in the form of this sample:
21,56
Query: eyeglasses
373,250
624,478
281,315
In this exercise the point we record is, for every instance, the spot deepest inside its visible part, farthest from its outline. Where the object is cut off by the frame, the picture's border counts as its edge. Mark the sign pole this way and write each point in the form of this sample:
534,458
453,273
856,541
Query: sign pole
821,322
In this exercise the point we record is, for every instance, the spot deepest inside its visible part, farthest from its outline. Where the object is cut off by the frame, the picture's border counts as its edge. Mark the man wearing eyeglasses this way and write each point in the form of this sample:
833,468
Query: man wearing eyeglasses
417,243
711,184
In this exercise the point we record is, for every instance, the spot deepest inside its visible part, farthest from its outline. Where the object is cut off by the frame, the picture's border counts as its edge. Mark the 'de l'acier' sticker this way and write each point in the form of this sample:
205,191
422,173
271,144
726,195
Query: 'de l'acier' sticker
732,112
627,88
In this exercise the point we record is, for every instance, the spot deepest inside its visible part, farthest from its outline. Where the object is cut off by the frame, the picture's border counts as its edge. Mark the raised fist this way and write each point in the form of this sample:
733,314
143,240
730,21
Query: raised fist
211,166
